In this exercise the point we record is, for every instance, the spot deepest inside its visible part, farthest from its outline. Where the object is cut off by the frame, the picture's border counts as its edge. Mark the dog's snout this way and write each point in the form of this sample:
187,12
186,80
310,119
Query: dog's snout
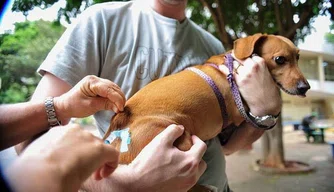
302,87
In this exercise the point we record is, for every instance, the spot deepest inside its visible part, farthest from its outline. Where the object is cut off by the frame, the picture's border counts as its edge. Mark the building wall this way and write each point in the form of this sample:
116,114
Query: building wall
296,109
318,68
330,108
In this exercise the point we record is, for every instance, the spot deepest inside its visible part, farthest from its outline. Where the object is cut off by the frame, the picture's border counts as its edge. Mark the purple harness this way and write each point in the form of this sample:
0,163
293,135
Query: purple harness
215,89
219,96
235,91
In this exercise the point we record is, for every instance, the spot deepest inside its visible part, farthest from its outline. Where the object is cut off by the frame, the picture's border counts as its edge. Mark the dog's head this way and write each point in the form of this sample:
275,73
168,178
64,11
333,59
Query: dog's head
281,57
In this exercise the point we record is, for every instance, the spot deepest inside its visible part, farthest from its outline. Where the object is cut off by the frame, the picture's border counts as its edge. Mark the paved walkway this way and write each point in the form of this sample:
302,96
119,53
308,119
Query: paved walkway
243,178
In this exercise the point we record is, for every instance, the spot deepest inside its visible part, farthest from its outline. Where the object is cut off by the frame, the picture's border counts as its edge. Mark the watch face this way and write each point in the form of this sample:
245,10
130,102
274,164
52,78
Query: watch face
267,121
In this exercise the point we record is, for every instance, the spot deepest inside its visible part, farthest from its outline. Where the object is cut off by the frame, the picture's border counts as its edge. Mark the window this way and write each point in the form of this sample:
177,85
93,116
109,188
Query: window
329,70
309,68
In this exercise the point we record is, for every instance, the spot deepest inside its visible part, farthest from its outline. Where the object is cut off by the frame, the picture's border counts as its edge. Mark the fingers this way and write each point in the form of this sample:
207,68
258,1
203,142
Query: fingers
249,62
244,69
110,156
109,161
94,86
96,175
106,104
107,170
114,93
170,134
243,66
199,147
104,171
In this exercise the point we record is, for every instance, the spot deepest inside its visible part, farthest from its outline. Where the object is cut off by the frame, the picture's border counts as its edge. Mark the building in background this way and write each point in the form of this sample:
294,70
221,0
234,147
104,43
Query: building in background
318,67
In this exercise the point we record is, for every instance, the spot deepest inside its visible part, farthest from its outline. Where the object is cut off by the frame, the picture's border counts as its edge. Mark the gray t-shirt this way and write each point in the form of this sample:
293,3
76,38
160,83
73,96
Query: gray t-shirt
131,44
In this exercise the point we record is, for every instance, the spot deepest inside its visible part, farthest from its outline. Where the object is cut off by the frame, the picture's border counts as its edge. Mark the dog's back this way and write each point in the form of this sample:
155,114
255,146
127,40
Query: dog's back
185,98
181,98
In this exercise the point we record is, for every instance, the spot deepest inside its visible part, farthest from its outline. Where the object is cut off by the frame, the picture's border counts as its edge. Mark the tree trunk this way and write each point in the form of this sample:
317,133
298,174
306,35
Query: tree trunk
273,150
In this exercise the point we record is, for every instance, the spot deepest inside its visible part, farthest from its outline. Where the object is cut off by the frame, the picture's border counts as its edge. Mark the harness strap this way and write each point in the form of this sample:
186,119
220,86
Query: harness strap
215,89
235,90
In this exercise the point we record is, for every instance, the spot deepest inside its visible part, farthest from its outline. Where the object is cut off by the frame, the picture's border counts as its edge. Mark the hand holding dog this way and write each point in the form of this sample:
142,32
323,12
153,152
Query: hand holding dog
63,158
160,166
167,166
261,94
256,86
90,95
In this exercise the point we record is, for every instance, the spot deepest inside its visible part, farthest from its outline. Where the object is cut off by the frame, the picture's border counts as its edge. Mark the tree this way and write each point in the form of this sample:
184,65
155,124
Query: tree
291,19
330,35
72,8
20,55
229,20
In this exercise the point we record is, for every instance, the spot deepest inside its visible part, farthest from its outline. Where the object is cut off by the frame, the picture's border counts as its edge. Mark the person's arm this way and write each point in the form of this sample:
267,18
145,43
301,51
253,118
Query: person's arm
160,166
87,97
244,135
19,122
61,160
262,96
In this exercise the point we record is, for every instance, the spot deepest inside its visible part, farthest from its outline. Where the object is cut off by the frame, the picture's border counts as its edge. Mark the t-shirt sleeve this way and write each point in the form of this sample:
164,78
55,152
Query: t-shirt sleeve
79,51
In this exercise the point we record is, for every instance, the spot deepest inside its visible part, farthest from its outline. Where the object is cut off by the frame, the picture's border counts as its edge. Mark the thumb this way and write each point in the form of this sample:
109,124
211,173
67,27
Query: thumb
170,134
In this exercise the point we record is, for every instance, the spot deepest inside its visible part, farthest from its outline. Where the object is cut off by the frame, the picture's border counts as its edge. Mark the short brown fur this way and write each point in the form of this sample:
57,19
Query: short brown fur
186,99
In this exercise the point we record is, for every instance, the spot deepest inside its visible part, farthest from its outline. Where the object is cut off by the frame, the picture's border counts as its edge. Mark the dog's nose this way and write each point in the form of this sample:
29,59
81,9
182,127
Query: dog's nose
302,87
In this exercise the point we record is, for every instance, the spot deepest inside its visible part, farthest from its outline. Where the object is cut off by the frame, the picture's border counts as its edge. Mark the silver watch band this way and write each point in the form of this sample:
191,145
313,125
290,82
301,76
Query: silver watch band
51,112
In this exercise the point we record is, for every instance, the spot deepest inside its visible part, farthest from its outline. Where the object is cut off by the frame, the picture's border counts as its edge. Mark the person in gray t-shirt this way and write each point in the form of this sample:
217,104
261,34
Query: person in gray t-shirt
132,44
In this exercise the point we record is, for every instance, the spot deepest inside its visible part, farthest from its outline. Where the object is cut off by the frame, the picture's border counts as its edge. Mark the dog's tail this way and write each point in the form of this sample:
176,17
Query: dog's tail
118,121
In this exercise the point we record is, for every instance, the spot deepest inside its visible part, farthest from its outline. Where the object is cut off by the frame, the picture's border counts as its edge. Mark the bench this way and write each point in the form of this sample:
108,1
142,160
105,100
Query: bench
318,136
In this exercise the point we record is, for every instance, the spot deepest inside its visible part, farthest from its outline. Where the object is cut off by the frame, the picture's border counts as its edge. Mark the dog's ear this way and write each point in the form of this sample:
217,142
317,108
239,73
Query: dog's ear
244,47
217,59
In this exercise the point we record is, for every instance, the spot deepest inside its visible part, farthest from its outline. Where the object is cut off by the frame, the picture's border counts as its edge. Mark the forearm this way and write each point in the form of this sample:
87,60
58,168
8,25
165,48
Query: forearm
19,122
241,137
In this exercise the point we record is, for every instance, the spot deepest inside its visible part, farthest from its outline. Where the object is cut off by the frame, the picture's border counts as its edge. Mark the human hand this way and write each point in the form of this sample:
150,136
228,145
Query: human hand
89,96
64,158
256,86
160,166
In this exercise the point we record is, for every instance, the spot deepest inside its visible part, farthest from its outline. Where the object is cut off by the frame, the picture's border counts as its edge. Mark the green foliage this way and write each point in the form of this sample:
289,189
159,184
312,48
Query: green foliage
71,9
25,6
237,18
226,19
103,1
330,36
20,55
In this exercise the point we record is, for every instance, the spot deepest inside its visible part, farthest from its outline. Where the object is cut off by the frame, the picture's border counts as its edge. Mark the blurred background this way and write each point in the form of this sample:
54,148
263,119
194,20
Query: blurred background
285,158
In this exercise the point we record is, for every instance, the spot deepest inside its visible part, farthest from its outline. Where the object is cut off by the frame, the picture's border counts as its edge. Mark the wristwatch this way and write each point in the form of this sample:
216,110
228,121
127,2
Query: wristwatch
265,122
51,112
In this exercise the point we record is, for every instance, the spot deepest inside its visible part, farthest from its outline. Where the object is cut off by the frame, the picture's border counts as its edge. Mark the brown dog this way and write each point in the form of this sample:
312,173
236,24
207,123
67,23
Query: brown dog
186,99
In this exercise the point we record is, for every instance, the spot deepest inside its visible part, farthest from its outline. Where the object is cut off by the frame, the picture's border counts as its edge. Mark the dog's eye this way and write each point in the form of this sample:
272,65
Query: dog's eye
280,60
297,57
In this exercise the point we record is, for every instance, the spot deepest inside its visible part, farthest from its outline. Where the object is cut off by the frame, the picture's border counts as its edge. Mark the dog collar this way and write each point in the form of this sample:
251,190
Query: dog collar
215,89
237,97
